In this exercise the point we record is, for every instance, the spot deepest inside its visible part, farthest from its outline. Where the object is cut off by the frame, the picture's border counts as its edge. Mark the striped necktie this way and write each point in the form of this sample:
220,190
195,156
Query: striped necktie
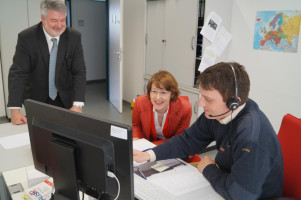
52,65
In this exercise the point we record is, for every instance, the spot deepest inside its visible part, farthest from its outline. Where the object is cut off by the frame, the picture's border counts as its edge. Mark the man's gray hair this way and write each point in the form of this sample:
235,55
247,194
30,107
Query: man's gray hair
57,5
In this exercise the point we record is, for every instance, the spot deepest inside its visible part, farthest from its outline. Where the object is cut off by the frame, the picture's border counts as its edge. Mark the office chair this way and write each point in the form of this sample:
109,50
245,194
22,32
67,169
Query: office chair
290,138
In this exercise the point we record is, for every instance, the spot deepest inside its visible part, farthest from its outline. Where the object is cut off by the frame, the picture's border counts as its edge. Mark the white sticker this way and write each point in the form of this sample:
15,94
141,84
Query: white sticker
118,132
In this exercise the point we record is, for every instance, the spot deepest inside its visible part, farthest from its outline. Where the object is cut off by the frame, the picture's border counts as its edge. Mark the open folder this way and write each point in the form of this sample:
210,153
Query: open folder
174,176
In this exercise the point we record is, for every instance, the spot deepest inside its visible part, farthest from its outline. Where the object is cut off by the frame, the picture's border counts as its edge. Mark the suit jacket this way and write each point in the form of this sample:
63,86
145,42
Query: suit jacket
28,75
178,118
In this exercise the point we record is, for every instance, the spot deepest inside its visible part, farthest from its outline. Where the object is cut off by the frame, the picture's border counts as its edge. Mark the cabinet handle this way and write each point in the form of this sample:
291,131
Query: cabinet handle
192,43
195,107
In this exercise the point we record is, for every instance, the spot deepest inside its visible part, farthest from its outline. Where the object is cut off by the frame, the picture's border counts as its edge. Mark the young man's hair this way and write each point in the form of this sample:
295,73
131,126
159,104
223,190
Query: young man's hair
57,5
221,78
164,80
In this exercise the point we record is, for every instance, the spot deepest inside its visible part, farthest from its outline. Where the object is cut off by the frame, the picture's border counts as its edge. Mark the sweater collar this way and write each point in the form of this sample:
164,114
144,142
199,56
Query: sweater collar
227,119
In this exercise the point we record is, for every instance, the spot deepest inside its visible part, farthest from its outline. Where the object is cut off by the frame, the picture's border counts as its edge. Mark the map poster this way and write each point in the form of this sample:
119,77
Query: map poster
277,30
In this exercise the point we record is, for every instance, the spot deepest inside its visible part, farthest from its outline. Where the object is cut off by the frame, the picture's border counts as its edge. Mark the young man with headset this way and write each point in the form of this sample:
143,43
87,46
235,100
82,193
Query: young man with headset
249,162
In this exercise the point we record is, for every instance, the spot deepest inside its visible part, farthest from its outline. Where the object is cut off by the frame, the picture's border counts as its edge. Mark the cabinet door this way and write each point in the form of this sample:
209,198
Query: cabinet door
13,19
180,33
155,25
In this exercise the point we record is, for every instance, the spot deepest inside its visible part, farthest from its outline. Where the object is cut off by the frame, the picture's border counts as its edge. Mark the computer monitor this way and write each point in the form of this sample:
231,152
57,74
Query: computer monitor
80,152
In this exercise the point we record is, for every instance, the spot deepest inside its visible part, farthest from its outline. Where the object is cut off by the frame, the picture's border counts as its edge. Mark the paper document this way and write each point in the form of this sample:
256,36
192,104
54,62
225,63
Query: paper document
211,26
34,176
182,179
221,41
15,141
142,145
208,58
41,191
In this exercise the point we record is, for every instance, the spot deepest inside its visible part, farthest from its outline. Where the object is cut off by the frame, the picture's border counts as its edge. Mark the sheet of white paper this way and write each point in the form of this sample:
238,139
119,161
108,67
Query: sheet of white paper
180,180
211,26
141,145
34,176
221,41
15,141
208,58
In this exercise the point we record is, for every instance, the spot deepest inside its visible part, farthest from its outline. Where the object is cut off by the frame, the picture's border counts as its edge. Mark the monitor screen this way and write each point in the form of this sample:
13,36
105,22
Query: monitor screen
81,152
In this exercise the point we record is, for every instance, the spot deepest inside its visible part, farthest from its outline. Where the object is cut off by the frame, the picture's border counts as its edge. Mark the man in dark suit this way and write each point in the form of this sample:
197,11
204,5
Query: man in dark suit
31,75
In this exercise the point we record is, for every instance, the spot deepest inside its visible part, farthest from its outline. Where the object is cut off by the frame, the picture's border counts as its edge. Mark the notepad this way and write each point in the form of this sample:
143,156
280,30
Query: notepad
159,167
142,144
15,141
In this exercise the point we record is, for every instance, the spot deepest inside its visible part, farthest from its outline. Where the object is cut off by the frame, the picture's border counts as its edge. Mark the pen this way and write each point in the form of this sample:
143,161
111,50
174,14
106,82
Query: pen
146,149
143,176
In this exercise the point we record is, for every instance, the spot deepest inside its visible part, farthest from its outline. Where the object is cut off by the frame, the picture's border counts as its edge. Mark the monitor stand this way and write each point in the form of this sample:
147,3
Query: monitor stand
64,171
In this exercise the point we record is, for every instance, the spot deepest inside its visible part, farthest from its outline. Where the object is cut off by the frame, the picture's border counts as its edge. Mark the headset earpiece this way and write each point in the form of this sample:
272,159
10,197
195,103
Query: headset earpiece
232,103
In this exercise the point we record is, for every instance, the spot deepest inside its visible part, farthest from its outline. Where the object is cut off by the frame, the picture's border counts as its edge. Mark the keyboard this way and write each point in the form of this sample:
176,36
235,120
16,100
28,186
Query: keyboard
145,190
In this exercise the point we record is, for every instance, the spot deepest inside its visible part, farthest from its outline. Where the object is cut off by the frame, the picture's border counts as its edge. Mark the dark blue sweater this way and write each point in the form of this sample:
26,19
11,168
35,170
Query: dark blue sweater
249,154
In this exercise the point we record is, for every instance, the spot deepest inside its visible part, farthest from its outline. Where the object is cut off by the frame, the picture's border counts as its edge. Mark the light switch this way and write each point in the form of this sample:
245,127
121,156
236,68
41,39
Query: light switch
81,22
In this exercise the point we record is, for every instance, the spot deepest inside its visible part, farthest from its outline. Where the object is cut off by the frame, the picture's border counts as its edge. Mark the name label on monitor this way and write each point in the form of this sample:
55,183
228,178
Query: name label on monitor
118,132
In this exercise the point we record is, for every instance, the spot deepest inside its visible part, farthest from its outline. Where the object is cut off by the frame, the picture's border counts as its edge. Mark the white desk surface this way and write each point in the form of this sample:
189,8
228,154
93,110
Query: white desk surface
18,157
14,162
20,176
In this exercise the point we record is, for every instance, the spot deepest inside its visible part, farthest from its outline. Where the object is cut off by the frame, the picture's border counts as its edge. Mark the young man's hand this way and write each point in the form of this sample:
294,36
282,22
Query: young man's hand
204,162
139,156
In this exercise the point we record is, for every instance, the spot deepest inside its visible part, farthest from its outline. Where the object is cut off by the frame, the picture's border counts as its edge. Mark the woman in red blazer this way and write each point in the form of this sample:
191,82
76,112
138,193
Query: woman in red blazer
161,113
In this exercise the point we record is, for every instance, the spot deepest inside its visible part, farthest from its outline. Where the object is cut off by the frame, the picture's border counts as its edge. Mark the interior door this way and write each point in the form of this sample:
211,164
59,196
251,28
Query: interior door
115,53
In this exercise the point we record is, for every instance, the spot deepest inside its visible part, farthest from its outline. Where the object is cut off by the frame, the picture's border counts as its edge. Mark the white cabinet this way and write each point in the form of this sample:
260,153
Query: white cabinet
15,16
171,29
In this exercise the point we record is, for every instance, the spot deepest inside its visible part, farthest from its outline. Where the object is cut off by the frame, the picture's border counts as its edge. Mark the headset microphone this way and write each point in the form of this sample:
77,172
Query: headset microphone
220,114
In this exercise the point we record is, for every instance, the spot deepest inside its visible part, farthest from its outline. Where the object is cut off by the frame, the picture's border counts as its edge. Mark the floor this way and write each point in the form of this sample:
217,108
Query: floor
96,105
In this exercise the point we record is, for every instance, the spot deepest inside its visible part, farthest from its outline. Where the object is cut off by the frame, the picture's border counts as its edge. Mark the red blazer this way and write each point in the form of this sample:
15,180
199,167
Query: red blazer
178,118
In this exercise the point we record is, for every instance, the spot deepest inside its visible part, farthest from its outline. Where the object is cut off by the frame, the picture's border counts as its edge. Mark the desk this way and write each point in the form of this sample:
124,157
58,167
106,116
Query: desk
20,176
16,161
14,158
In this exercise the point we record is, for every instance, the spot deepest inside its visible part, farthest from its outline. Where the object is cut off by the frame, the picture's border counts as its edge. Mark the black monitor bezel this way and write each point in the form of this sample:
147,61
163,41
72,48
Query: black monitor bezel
123,166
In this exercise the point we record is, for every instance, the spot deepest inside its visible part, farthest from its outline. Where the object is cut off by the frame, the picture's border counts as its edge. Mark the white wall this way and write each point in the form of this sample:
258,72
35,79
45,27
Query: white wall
89,18
134,27
275,76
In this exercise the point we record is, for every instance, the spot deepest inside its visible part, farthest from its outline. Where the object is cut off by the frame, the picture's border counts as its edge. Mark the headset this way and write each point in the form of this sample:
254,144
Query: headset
232,102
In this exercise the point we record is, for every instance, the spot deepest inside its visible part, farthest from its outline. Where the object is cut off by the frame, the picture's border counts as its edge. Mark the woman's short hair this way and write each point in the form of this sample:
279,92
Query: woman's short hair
164,80
221,78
